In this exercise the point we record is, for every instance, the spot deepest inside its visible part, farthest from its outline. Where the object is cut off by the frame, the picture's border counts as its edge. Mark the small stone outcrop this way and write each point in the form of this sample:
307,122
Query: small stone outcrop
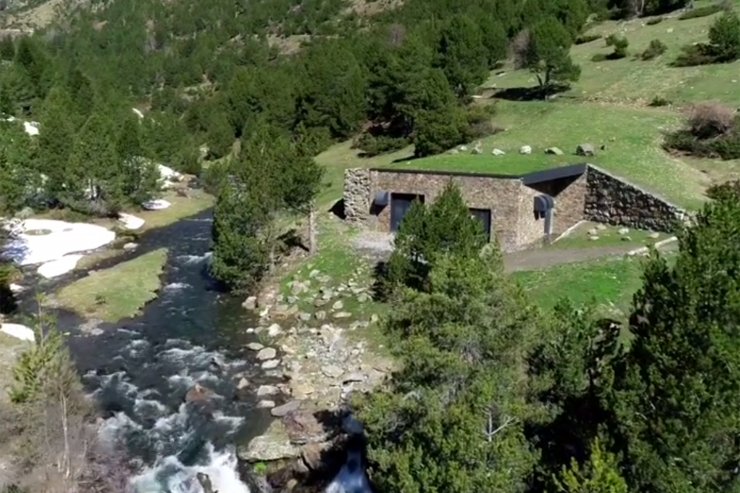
554,150
585,150
525,150
356,195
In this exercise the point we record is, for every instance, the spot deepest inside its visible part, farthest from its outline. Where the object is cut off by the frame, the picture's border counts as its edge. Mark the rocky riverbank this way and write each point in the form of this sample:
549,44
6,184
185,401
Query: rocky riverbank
317,339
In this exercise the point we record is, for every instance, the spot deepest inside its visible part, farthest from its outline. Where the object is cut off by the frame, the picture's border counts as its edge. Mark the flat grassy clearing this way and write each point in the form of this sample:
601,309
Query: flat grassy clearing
118,292
197,201
607,235
630,80
609,283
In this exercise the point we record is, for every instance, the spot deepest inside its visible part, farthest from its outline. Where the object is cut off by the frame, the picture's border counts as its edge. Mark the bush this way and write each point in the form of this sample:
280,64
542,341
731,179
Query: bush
479,122
724,37
731,188
654,50
587,38
712,130
620,45
373,145
654,21
702,11
710,120
658,101
694,55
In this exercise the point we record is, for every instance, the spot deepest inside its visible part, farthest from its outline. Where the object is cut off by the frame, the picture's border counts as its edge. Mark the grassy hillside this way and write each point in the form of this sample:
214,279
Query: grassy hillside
609,105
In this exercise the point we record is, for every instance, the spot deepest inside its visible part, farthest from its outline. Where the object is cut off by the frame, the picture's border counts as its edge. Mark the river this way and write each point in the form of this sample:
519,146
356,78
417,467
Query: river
140,369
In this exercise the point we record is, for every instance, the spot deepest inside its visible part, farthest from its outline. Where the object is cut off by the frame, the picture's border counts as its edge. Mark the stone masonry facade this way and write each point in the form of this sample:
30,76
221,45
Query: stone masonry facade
594,195
612,200
511,203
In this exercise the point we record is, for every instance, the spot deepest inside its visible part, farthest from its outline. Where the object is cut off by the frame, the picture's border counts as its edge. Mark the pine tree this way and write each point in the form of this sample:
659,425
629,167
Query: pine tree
55,141
444,228
600,474
676,392
439,123
462,55
452,419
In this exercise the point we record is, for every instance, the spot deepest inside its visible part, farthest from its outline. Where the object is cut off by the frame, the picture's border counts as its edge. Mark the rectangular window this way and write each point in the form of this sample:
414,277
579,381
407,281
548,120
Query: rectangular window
400,205
484,216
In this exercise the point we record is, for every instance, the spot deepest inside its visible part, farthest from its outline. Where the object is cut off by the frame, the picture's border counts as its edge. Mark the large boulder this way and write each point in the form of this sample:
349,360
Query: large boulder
585,150
273,444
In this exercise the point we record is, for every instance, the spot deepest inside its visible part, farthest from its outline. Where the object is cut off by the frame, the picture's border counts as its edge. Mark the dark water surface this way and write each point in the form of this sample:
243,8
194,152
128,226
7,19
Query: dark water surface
140,369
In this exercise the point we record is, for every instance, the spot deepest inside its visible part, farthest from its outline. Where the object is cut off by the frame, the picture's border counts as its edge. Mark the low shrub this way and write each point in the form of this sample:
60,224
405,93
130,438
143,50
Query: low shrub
620,46
587,38
705,11
654,21
479,122
374,145
728,188
658,101
694,55
654,50
711,130
709,120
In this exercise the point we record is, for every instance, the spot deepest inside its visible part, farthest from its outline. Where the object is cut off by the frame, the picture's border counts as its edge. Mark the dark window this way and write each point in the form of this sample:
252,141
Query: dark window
484,216
400,205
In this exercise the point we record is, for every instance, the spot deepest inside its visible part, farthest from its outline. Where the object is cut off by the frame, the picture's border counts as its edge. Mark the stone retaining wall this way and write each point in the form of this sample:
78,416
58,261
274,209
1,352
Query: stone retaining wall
613,200
356,195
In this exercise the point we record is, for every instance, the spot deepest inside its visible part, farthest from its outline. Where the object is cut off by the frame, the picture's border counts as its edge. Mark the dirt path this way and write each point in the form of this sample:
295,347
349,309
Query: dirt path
543,258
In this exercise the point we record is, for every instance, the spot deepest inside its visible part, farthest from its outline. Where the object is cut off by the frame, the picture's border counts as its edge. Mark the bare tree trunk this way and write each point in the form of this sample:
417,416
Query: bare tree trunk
312,229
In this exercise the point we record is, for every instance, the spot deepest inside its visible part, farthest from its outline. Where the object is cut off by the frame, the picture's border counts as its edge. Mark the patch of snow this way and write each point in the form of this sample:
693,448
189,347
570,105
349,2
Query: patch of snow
31,128
62,239
155,205
138,113
60,266
130,221
18,331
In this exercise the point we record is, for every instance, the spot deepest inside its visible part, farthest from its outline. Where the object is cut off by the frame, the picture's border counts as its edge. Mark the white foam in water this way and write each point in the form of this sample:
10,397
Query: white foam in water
351,478
171,476
194,259
176,286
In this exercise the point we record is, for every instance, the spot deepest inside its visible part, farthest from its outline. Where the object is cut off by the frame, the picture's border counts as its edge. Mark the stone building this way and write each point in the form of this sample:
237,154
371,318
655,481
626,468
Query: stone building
518,210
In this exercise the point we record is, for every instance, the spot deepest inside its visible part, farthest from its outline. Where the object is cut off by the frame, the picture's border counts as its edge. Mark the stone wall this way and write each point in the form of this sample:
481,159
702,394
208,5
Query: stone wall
356,195
530,229
499,194
612,200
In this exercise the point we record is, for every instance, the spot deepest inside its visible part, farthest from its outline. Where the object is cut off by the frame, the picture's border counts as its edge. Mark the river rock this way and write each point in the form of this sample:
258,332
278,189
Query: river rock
289,407
320,315
305,316
338,305
270,364
255,346
242,384
272,445
354,377
342,315
301,390
129,247
198,393
266,404
266,353
250,303
267,390
332,371
205,482
274,330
